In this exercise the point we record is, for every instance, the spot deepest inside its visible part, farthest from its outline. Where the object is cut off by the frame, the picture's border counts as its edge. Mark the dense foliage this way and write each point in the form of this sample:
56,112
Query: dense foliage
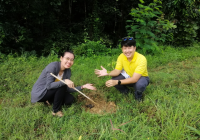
186,15
53,25
148,26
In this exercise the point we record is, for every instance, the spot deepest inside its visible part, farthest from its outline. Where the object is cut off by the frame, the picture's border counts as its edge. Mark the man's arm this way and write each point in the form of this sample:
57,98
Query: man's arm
114,72
131,80
104,72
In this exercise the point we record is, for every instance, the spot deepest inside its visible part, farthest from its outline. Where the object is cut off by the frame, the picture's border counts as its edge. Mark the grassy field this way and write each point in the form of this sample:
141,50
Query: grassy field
170,110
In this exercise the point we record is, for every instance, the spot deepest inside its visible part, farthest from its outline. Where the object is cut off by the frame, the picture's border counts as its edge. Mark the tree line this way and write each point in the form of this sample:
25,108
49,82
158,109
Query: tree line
57,24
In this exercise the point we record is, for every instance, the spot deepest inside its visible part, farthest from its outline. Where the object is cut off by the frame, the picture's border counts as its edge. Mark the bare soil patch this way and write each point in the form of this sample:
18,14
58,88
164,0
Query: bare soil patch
102,106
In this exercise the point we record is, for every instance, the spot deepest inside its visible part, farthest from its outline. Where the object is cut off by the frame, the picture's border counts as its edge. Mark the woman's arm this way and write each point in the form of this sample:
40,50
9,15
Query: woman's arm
86,86
70,90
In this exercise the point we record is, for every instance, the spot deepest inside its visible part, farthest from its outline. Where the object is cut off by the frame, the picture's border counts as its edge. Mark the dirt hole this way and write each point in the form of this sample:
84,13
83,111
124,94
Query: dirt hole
102,106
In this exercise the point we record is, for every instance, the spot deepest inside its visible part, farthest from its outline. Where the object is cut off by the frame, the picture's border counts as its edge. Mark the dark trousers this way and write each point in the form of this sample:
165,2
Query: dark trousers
58,97
139,86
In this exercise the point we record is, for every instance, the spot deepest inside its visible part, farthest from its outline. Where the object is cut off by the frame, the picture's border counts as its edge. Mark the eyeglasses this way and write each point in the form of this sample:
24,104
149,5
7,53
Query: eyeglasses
68,59
127,38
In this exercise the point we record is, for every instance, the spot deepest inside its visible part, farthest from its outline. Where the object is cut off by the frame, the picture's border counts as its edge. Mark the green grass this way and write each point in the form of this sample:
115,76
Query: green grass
171,109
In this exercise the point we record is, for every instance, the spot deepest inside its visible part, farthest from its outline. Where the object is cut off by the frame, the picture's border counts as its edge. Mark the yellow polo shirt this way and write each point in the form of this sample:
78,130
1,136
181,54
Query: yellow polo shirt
137,65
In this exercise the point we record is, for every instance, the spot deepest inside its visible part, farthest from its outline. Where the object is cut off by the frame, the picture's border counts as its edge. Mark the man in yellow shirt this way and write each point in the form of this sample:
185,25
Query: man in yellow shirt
130,70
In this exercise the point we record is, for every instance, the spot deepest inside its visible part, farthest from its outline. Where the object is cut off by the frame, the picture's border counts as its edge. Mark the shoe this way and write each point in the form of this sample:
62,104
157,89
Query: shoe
139,99
59,114
138,96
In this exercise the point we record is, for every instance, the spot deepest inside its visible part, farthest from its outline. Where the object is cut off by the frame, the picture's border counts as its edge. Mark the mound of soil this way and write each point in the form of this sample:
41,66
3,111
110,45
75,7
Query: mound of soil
101,106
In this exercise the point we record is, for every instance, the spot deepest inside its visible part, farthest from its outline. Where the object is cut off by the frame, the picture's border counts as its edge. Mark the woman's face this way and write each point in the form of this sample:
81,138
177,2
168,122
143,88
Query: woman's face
67,60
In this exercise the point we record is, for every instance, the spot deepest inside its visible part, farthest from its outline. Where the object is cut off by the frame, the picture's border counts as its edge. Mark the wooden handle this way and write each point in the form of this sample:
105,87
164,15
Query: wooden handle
73,88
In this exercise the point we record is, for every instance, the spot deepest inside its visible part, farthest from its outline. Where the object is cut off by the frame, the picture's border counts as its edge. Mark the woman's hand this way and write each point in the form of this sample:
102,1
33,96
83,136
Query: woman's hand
69,83
89,86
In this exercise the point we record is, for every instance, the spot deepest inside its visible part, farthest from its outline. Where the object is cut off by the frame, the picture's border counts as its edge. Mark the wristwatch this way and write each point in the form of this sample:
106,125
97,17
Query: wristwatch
119,82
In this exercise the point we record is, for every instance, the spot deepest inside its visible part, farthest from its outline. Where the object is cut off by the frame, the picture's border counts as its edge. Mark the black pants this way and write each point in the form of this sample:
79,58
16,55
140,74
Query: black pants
139,86
58,97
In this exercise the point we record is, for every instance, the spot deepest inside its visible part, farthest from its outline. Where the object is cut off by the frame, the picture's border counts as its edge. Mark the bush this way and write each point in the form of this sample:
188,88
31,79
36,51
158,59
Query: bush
148,26
91,48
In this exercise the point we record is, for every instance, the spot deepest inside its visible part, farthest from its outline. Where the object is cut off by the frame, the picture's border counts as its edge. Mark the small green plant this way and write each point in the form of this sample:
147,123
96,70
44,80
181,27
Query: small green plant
148,26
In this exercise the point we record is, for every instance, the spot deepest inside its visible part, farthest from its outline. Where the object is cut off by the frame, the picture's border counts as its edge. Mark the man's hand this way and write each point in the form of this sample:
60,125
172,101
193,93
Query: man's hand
69,83
89,86
111,83
102,72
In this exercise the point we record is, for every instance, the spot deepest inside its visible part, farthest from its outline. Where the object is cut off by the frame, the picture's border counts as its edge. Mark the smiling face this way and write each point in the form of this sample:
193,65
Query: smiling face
129,51
67,60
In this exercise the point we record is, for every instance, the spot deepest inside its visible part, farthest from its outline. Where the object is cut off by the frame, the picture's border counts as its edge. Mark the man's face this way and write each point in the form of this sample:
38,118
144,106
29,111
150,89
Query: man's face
128,51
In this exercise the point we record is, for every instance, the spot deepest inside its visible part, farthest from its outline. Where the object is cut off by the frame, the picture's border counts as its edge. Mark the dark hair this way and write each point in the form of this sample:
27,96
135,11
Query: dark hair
67,51
128,42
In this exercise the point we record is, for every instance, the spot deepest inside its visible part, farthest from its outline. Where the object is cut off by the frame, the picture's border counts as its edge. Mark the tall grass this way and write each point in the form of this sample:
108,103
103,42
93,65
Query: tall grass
171,108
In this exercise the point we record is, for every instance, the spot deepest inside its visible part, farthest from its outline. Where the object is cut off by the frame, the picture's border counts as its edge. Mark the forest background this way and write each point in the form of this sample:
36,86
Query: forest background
96,26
